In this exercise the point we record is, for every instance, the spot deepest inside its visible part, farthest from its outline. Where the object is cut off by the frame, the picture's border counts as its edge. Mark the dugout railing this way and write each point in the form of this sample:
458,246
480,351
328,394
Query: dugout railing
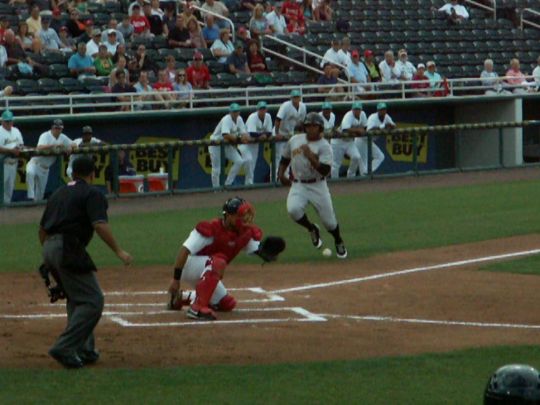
174,146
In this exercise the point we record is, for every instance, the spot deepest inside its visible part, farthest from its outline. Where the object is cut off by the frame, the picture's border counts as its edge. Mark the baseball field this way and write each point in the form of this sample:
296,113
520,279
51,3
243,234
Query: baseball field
440,288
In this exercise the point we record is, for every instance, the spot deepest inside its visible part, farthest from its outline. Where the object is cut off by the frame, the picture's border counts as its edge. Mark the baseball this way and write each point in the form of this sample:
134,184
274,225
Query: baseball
327,252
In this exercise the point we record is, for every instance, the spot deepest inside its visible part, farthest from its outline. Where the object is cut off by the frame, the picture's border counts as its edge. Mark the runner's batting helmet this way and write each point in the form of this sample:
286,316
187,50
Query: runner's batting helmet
513,384
314,118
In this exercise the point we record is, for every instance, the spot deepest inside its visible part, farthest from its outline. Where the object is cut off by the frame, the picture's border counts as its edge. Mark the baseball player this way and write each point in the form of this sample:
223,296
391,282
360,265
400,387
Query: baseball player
231,128
11,142
210,247
329,118
310,159
86,140
37,169
378,120
259,126
353,123
291,114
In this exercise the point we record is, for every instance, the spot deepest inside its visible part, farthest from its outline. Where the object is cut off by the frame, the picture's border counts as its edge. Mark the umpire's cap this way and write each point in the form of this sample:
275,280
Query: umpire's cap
314,118
513,384
83,166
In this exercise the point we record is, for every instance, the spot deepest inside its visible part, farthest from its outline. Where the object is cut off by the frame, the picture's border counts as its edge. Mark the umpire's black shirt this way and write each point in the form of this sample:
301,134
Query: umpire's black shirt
73,209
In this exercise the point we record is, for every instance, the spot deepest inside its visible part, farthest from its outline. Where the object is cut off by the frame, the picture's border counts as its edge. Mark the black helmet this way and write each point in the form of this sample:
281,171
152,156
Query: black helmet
232,205
314,118
513,384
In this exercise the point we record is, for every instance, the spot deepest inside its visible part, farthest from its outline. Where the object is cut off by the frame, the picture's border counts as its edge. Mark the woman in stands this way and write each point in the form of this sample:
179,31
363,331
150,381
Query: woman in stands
255,58
26,40
307,9
195,34
258,25
183,87
120,65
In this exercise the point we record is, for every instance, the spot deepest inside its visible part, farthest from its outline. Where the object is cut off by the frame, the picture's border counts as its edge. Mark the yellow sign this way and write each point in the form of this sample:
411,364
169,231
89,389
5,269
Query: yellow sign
400,147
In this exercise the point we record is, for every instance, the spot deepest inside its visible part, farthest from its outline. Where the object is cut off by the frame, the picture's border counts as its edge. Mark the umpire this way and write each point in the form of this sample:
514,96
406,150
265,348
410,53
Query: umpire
72,214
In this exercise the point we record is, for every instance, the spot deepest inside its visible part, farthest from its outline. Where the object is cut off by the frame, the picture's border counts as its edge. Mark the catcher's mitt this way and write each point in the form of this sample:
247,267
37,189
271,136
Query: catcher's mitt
270,248
178,300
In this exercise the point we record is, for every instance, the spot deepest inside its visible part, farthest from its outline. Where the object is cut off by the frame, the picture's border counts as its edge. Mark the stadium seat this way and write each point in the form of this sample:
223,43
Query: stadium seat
70,85
58,71
25,86
52,57
47,85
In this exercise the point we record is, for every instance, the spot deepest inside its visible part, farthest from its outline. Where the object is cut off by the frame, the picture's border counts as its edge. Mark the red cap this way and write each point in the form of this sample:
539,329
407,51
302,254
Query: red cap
198,55
242,29
368,52
355,54
89,22
56,12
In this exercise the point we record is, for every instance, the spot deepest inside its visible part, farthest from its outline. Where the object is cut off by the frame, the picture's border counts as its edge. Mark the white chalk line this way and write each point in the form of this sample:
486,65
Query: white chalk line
433,321
441,266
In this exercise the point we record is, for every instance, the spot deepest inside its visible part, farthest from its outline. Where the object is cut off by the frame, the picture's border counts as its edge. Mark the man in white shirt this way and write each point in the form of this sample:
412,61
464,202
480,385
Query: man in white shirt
37,169
3,56
456,13
276,20
112,25
232,129
353,123
291,114
536,74
404,69
259,126
92,46
86,140
358,73
217,7
388,69
344,53
11,142
378,120
329,118
111,43
49,37
332,55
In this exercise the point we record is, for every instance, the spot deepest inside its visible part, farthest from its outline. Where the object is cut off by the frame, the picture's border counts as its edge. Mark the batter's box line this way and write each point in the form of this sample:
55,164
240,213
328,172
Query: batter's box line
306,316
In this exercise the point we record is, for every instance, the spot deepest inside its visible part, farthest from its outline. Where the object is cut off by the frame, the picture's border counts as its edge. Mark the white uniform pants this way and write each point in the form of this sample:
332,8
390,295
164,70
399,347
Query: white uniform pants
250,154
377,155
318,195
36,181
10,174
233,155
340,147
279,153
193,270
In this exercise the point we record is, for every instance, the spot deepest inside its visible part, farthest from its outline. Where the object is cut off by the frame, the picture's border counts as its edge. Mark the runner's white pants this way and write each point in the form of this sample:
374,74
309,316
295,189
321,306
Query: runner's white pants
377,155
193,270
250,154
233,155
340,147
36,181
318,195
10,174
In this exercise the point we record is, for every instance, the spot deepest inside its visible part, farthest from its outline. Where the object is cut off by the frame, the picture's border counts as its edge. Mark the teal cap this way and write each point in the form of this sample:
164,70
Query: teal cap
381,106
261,105
357,105
326,106
296,93
234,107
7,116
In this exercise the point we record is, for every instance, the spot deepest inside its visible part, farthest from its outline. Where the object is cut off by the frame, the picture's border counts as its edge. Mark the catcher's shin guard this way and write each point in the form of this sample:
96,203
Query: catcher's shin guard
226,304
205,288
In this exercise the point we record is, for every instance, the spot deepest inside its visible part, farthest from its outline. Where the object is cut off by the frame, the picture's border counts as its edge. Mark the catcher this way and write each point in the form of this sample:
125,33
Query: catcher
211,246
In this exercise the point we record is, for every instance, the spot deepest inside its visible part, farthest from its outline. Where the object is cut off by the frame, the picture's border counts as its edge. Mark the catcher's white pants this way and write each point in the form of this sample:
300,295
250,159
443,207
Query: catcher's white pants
377,156
250,154
36,181
339,148
233,155
10,174
318,195
193,270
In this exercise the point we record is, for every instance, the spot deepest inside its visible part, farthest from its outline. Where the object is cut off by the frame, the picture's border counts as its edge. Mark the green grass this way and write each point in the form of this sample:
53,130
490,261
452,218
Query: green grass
449,378
371,223
527,265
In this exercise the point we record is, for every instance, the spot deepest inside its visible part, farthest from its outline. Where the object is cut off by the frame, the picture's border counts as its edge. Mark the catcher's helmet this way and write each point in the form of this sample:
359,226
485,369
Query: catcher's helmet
314,118
232,205
513,384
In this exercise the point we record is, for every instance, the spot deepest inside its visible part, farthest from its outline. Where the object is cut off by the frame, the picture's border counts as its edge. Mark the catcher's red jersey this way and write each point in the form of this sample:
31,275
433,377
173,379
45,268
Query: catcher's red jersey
227,244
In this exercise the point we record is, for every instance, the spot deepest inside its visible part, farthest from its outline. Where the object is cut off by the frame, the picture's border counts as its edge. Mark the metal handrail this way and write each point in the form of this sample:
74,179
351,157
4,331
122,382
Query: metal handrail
202,10
485,7
528,22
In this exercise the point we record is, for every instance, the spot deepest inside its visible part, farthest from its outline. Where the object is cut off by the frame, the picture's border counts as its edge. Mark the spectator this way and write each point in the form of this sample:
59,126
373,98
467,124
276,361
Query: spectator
120,67
144,63
126,28
169,19
80,64
327,78
157,27
237,61
80,5
195,34
357,73
121,51
48,37
293,12
198,74
255,59
295,27
113,26
323,11
122,86
536,74
143,88
179,35
102,62
141,25
92,46
75,26
187,13
371,66
17,55
3,56
405,70
258,25
243,35
111,43
217,7
455,13
210,32
34,21
165,89
515,78
183,88
344,54
87,34
332,55
276,20
57,20
27,41
170,68
388,69
156,10
435,79
420,82
307,9
223,47
67,43
132,5
490,79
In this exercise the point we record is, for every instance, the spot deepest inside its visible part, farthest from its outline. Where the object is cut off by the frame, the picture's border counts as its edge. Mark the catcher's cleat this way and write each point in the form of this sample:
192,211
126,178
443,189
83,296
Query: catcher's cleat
341,250
201,314
315,234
